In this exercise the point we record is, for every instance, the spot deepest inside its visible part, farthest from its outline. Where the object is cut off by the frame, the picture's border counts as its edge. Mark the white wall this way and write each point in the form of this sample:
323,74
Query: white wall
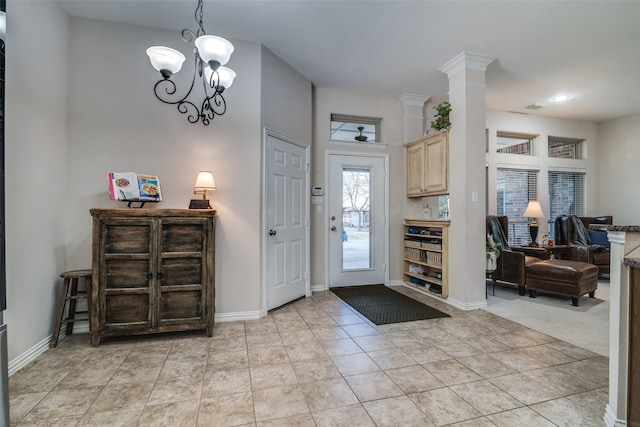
543,126
35,167
327,101
618,160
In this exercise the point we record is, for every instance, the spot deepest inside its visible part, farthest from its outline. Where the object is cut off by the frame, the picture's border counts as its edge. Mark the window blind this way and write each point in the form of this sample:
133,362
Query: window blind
515,188
567,195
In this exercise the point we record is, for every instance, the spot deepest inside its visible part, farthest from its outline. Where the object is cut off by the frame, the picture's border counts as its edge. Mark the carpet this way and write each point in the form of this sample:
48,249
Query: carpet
383,305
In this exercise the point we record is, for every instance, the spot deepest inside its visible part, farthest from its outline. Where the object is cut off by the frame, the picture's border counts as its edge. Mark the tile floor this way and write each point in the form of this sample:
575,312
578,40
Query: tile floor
318,363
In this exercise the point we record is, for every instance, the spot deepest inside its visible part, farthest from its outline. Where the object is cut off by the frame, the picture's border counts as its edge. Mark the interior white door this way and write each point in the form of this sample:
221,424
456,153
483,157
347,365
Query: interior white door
357,220
286,257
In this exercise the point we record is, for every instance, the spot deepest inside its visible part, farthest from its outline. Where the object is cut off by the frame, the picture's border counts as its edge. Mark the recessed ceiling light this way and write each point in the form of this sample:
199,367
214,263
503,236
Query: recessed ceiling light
560,98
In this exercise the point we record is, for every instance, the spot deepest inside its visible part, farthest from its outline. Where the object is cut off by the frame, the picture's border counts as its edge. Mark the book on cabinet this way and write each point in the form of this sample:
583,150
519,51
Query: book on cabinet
426,255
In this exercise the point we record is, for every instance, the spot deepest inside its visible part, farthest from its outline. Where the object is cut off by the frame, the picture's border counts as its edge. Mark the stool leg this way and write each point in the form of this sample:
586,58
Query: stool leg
60,313
72,305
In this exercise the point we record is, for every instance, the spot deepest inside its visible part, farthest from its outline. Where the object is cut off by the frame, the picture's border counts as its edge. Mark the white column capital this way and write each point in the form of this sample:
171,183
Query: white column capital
413,99
466,60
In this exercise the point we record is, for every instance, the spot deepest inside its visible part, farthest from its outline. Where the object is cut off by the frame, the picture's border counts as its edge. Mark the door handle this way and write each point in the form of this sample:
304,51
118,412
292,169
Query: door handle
333,228
272,232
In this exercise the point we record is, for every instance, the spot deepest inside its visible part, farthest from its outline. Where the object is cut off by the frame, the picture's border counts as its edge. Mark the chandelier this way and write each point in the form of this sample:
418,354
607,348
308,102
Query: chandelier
210,53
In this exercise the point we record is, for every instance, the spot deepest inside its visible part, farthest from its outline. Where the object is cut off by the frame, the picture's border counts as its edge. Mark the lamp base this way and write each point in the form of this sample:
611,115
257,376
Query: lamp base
199,204
533,231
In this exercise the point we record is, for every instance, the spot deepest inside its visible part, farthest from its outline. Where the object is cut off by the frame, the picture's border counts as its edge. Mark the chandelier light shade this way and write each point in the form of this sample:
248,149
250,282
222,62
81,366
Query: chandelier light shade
210,54
534,210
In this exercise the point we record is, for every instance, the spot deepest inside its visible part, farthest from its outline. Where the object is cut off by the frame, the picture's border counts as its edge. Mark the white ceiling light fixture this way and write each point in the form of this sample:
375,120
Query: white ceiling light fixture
560,98
210,54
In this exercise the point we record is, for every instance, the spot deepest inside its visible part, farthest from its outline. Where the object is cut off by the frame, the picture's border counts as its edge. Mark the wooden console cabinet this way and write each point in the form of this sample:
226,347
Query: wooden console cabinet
153,271
428,165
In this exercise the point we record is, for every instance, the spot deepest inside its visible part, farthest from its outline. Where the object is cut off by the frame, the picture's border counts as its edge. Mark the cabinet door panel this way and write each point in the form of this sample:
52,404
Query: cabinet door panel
182,271
127,308
181,305
437,155
126,273
415,167
127,238
182,237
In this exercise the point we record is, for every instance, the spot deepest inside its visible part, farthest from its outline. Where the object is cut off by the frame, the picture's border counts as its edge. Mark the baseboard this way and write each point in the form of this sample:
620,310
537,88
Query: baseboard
241,315
29,356
451,301
610,419
318,288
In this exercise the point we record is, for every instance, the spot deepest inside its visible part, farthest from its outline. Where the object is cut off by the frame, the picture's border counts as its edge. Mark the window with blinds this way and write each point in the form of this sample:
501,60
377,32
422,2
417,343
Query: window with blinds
567,195
515,188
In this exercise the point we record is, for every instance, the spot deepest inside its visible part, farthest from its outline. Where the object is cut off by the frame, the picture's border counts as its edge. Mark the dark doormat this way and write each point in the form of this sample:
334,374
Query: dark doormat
383,305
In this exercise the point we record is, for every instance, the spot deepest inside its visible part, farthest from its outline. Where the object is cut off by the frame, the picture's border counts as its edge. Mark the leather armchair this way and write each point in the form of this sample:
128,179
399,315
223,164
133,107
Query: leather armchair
512,263
581,250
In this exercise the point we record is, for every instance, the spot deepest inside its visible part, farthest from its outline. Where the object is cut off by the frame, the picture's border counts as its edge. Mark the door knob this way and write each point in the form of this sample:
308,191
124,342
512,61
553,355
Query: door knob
333,217
333,228
272,232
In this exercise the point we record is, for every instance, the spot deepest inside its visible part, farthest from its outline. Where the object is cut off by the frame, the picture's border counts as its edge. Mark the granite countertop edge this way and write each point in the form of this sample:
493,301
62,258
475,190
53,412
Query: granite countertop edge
635,228
632,262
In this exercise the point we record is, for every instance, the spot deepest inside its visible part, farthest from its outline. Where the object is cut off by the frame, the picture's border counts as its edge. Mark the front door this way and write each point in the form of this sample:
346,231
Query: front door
286,225
357,220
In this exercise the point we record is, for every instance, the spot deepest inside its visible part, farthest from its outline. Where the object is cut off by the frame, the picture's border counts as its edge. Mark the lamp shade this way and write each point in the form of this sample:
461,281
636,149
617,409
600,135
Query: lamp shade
214,48
165,58
205,181
534,210
226,77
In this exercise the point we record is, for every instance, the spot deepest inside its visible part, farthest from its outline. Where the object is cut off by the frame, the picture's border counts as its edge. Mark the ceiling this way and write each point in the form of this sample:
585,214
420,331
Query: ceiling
587,49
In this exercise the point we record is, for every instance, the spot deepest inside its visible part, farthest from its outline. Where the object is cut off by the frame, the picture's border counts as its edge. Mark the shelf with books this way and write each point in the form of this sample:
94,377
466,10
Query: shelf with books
426,260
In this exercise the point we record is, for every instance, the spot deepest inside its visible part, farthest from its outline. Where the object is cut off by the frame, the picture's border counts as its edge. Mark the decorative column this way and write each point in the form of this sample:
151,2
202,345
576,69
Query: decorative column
412,115
467,181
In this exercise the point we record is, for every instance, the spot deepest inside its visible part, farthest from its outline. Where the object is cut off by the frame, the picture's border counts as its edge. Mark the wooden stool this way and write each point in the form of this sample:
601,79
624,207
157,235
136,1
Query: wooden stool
70,293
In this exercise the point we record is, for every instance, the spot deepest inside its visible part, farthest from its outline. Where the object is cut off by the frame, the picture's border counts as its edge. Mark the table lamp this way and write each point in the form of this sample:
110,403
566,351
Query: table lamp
534,210
204,182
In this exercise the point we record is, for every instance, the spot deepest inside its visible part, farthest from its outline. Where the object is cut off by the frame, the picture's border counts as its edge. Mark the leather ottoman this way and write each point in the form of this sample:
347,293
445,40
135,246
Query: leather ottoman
562,277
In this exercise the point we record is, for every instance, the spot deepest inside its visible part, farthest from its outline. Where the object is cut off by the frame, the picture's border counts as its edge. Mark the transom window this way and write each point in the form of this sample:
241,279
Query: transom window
355,129
565,148
515,143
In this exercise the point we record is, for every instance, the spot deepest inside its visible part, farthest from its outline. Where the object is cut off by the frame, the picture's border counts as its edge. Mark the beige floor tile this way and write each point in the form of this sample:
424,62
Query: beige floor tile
345,416
303,420
592,400
63,403
396,411
53,422
176,390
272,376
261,326
360,330
565,413
137,372
486,344
451,372
524,388
170,414
391,358
225,345
373,386
192,348
340,347
571,350
374,342
228,329
561,382
175,369
405,339
127,417
279,402
36,380
113,397
315,370
305,351
456,348
521,417
270,339
325,333
487,366
87,378
347,319
413,379
518,360
21,404
443,406
547,355
326,394
594,372
475,422
426,354
219,383
261,356
353,364
298,337
232,409
486,397
227,361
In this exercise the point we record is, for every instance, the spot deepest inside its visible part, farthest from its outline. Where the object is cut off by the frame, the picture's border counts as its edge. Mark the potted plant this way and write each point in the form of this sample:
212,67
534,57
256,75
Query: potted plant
492,252
442,118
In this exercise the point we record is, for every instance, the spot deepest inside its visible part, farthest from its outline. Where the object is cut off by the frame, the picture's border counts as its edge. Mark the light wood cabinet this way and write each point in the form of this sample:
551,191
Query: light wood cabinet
426,255
153,271
428,165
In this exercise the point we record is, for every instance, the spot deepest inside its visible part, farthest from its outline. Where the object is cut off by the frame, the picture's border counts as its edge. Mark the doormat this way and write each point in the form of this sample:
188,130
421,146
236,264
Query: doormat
383,305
